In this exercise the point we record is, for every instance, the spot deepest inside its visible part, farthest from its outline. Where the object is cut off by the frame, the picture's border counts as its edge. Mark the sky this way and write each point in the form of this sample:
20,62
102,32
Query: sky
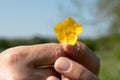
28,18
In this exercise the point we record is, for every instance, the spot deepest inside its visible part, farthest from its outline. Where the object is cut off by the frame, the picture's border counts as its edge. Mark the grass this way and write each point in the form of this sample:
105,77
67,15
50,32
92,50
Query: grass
110,64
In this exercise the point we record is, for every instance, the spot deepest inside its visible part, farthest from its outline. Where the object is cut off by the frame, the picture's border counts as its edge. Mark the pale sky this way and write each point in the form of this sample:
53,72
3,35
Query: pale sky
27,18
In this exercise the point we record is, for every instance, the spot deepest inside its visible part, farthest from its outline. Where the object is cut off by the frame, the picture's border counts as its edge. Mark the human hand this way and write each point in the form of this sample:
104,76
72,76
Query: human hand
20,63
83,65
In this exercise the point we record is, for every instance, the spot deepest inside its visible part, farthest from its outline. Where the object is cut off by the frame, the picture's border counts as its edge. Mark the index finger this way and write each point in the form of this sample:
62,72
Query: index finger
44,54
83,55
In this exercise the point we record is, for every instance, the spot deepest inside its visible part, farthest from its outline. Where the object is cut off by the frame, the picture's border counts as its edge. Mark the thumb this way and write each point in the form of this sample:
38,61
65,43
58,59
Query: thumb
73,70
83,55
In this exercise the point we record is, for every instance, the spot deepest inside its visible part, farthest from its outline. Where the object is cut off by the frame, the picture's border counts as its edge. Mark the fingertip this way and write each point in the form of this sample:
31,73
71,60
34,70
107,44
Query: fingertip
67,68
62,64
75,50
73,70
52,78
69,48
67,45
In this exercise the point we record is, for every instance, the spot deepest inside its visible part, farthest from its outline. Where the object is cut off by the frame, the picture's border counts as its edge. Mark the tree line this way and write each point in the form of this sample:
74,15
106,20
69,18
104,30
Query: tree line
102,43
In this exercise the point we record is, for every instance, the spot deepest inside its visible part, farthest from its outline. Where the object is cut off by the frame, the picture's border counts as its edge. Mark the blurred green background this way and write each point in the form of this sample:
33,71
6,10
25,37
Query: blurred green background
101,29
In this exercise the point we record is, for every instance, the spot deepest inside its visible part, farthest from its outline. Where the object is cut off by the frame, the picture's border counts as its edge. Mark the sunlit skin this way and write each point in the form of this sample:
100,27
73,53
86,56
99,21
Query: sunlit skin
67,31
76,62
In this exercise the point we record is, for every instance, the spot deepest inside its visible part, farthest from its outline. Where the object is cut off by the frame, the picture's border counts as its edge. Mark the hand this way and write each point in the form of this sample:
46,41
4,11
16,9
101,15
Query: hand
20,63
83,65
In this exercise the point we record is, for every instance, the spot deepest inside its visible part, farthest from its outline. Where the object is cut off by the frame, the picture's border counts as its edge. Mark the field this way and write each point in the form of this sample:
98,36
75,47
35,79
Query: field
110,64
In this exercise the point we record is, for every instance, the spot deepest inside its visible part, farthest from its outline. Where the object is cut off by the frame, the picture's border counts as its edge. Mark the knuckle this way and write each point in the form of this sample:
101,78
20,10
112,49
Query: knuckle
13,55
58,51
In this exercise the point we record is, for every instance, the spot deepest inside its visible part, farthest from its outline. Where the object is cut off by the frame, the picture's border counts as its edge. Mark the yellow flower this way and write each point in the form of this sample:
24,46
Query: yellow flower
67,31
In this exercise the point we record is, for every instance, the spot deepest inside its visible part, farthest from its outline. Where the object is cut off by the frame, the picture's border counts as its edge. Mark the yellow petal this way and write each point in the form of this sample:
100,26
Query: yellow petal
78,28
68,21
61,38
58,28
72,40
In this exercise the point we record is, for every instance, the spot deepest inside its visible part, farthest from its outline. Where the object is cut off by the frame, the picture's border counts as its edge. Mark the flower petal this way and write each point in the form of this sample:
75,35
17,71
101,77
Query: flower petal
61,38
72,39
78,28
68,22
58,28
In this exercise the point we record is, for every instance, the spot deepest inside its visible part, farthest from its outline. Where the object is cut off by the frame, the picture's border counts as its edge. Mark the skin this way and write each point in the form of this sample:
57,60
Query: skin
76,62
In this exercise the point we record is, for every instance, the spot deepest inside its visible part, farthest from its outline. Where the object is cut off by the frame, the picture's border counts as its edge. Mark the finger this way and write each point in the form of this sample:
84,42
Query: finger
44,73
36,55
82,54
45,53
52,78
73,70
65,78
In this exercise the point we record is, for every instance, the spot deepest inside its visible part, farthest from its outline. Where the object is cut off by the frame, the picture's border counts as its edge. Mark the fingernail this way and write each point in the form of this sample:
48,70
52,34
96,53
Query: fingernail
62,64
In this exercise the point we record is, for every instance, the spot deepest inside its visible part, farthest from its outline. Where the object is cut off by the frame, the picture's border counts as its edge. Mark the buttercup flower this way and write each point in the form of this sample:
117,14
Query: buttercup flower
67,31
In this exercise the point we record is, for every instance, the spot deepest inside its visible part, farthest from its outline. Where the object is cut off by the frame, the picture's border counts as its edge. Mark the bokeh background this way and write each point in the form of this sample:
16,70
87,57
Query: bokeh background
27,22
